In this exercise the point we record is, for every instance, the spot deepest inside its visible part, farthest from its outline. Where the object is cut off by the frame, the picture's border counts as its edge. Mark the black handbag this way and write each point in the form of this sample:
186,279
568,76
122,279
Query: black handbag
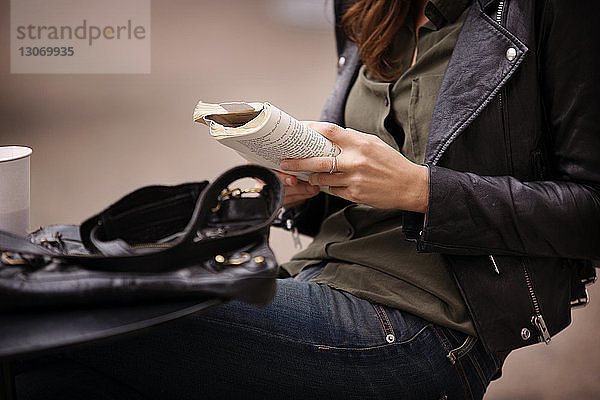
192,241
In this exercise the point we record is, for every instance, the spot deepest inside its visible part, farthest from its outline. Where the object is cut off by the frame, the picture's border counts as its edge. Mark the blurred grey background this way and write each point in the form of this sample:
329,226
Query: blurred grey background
97,137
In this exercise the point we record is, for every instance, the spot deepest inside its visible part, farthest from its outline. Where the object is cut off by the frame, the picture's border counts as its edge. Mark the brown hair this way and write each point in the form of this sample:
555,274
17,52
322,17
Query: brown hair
372,25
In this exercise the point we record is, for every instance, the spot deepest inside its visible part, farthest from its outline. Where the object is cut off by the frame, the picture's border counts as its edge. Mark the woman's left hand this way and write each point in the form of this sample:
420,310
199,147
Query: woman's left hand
367,171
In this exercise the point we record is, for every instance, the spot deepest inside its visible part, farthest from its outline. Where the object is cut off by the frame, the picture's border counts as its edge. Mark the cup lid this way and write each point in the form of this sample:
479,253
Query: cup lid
11,153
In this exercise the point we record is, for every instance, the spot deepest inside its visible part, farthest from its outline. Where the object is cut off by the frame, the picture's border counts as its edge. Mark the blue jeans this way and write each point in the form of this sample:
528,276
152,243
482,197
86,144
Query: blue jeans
311,342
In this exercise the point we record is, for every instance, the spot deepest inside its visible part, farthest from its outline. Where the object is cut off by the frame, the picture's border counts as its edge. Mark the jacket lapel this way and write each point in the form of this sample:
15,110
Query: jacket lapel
478,69
333,111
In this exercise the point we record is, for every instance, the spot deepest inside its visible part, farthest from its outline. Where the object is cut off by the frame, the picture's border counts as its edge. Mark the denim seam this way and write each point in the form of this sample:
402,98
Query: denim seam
459,362
413,338
385,326
460,378
478,369
320,346
388,320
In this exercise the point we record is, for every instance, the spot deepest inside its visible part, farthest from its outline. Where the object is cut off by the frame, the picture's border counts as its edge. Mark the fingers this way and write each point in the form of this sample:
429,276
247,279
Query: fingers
328,179
296,192
301,189
286,179
294,186
313,164
335,133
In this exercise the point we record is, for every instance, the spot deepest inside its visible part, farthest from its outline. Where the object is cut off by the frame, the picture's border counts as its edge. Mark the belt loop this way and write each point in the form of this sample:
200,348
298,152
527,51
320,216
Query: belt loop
463,349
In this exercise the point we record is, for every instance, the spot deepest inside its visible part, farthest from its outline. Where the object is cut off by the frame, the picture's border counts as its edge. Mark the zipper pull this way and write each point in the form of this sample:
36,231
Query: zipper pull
540,324
296,238
287,221
291,226
491,257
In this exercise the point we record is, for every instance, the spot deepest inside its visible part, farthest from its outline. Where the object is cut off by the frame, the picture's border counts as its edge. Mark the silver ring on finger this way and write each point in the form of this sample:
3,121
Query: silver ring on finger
333,165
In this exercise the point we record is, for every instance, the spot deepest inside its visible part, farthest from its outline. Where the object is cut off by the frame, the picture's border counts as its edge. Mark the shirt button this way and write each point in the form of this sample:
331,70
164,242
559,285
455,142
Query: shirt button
341,62
511,53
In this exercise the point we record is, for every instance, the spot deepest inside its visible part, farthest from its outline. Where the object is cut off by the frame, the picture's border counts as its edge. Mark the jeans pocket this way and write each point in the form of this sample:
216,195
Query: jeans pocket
466,351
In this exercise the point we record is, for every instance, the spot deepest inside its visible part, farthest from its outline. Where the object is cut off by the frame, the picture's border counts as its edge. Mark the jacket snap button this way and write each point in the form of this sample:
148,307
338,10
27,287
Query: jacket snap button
341,62
390,338
525,334
511,53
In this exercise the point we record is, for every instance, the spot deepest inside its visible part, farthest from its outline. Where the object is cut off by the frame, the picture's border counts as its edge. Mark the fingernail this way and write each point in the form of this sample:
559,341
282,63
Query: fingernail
284,165
288,181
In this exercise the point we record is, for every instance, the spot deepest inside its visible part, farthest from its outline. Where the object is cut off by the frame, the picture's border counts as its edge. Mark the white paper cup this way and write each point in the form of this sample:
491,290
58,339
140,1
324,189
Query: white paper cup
14,189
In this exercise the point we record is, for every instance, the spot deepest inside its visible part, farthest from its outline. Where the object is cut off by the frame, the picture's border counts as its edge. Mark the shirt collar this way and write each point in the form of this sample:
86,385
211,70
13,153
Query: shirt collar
441,12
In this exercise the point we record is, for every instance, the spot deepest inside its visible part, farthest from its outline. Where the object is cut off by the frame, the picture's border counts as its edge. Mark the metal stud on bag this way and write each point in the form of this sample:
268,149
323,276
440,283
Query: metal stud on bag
241,259
231,193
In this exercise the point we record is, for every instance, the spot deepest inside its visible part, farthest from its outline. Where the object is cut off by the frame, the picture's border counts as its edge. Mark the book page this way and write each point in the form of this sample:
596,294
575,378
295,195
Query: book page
276,137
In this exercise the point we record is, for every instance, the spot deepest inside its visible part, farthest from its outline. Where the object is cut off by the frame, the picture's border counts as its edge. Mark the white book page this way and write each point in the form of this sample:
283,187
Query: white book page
280,137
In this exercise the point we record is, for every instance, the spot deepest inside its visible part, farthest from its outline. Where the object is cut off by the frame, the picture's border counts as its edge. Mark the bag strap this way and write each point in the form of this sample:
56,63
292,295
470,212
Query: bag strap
185,248
11,243
209,199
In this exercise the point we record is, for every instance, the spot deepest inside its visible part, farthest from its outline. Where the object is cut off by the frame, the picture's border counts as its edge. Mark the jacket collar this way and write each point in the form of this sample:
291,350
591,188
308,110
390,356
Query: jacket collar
439,12
486,3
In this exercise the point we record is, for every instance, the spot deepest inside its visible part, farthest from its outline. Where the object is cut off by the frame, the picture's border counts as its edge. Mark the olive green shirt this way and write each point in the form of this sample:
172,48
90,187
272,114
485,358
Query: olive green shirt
365,247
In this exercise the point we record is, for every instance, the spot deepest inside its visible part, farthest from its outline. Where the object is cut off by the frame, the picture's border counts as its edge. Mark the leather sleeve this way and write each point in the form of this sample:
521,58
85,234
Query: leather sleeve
471,214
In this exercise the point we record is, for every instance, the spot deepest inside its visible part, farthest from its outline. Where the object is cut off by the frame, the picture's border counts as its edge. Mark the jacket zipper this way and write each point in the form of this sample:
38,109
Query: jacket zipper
503,118
537,320
499,14
493,260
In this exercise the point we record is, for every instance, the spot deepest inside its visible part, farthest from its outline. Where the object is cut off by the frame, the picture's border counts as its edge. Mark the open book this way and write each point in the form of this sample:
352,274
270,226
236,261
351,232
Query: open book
263,134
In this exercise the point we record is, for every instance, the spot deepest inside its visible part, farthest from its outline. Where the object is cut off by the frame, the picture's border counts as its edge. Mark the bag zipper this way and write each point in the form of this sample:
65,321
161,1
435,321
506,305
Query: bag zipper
537,320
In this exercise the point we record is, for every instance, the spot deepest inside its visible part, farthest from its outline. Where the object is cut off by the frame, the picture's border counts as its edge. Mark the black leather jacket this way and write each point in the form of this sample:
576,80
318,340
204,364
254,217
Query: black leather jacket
514,161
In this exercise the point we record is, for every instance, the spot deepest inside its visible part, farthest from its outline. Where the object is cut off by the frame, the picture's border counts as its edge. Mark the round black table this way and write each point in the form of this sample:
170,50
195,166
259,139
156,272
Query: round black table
28,333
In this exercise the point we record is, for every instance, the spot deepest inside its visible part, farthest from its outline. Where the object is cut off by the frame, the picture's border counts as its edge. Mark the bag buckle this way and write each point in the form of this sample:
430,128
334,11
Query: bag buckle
227,194
8,258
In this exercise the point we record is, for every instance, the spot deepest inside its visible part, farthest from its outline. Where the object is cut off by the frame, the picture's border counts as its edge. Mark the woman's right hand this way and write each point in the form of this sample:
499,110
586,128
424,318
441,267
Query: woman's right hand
296,192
